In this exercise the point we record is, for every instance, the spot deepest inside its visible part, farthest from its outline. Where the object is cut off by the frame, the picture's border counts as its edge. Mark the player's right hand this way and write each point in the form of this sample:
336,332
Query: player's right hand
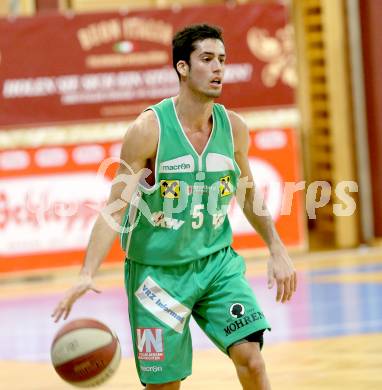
84,284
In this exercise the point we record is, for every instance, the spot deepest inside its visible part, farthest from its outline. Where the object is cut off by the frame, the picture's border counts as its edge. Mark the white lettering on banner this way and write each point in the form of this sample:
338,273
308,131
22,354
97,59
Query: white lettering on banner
95,34
49,212
113,30
88,154
111,86
39,86
51,157
66,84
150,344
115,95
14,159
162,305
238,73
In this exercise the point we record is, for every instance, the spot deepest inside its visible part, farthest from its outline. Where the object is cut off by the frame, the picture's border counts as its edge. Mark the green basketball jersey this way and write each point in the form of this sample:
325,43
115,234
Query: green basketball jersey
183,217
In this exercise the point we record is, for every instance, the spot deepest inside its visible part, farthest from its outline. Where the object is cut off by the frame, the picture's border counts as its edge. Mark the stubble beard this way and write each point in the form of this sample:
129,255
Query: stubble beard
212,94
207,93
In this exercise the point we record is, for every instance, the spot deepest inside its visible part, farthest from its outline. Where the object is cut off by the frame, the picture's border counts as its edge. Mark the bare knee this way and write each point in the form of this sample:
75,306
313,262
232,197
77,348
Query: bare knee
248,360
255,366
164,386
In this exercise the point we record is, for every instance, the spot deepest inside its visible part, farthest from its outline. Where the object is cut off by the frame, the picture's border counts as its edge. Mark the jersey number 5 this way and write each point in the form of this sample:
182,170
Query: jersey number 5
198,215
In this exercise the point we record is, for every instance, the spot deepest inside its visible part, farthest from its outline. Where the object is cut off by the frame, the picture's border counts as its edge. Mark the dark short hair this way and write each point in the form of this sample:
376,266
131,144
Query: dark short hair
183,43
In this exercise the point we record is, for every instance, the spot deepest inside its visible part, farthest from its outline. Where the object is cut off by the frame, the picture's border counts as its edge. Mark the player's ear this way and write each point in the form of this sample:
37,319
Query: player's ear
182,68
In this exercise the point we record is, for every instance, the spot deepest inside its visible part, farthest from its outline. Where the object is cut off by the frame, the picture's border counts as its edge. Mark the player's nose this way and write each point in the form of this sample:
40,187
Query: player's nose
217,66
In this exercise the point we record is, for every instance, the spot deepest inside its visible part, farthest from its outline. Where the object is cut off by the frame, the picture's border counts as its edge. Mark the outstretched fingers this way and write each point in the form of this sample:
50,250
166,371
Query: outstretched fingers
62,310
286,287
280,290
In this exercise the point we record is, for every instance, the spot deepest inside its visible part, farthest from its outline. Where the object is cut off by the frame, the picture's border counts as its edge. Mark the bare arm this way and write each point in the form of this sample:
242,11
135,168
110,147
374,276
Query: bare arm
139,145
280,267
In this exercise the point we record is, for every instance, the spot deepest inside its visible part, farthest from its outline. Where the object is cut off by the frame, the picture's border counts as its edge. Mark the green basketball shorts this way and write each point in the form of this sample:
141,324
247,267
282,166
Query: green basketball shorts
162,299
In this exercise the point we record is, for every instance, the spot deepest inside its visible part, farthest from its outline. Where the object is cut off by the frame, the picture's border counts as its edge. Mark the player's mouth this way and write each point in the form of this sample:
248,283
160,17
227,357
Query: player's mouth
216,82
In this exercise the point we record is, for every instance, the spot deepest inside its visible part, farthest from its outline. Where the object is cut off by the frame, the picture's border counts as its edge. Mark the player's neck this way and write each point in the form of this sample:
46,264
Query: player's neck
193,112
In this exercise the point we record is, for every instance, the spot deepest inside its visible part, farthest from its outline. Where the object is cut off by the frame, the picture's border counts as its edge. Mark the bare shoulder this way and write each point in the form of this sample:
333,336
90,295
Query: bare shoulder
147,122
145,127
240,130
141,138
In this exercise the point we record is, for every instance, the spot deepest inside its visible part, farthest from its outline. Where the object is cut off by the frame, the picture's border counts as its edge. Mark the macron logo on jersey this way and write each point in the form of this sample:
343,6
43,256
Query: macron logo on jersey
180,164
177,168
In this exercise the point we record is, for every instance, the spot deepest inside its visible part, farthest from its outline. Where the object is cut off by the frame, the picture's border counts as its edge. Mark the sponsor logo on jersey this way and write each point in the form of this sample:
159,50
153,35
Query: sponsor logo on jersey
150,343
162,305
198,189
225,187
170,189
243,322
176,168
159,220
180,164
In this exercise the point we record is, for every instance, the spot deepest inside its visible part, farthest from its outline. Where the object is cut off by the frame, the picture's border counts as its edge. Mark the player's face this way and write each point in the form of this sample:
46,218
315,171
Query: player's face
206,71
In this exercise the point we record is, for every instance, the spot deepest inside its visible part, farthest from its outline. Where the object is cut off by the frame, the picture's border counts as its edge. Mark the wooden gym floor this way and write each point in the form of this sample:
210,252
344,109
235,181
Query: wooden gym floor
328,337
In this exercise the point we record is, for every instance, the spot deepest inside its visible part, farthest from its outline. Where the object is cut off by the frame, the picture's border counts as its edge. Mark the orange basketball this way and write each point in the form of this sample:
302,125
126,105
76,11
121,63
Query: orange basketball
85,353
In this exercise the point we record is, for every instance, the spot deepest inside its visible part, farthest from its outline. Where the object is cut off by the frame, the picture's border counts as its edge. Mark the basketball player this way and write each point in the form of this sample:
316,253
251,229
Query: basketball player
179,260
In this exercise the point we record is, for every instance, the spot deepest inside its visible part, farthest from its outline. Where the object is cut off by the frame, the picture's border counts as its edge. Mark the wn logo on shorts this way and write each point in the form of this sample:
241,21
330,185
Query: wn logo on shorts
150,344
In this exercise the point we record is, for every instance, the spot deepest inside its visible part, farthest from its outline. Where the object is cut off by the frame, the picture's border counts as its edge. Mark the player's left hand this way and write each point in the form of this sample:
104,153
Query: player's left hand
282,271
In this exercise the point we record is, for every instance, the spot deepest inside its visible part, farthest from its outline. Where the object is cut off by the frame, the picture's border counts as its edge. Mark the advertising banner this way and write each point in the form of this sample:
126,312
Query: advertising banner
370,18
50,197
49,200
107,66
274,158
